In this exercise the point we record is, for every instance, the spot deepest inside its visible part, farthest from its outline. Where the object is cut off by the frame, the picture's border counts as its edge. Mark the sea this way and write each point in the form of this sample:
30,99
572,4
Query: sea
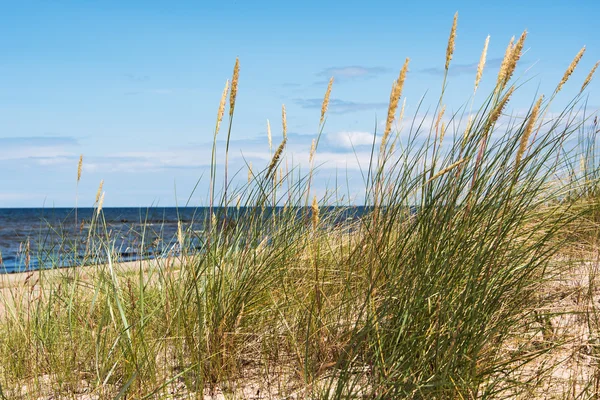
41,238
34,238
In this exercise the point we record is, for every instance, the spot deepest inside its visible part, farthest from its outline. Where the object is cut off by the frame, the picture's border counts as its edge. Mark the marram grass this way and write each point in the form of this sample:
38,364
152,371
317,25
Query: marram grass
442,288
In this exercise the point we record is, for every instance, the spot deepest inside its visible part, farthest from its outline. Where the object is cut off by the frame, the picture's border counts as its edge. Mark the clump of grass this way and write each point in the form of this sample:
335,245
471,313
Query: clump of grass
432,290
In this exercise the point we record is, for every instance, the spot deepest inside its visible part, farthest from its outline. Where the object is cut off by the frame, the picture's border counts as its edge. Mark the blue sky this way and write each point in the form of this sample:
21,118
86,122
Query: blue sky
134,86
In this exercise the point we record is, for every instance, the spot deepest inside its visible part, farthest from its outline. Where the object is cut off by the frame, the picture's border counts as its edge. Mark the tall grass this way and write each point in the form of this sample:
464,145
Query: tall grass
432,292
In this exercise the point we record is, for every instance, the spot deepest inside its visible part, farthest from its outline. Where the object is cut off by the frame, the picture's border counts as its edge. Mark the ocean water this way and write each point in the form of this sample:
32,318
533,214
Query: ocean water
33,238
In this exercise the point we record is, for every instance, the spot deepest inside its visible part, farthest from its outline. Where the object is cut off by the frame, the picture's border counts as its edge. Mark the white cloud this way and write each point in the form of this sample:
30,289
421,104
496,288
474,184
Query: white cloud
348,140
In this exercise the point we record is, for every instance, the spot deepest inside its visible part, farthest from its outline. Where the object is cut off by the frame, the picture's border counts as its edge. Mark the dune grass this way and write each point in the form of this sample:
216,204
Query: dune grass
447,286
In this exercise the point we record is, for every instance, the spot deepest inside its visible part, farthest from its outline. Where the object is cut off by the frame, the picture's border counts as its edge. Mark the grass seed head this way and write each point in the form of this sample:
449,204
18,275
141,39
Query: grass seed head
497,111
100,203
221,111
269,137
313,147
249,171
439,118
467,130
284,121
99,192
589,77
570,69
179,234
79,167
395,95
451,40
276,157
443,132
528,129
326,101
481,63
234,86
315,213
515,56
504,65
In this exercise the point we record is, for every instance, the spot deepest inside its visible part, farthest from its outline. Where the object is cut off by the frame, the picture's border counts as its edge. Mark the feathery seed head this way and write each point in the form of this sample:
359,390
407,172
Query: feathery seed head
179,234
589,77
315,213
326,101
221,111
439,118
515,56
443,132
496,112
249,171
276,156
570,69
100,203
481,62
467,130
99,192
504,65
393,105
79,167
313,147
451,39
234,86
238,202
528,129
284,121
269,137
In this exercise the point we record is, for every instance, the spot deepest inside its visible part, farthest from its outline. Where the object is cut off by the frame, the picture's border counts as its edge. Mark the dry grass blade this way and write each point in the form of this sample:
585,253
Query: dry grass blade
447,169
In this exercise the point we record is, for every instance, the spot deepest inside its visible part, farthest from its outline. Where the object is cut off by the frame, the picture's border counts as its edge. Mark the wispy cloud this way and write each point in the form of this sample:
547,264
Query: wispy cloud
14,148
137,78
161,92
461,69
338,106
349,140
350,72
36,141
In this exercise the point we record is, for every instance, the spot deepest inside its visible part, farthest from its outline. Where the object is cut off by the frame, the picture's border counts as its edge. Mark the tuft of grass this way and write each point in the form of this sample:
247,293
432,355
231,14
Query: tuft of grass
445,284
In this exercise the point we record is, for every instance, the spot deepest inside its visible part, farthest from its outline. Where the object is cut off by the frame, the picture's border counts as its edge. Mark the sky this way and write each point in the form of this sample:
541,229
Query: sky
134,86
